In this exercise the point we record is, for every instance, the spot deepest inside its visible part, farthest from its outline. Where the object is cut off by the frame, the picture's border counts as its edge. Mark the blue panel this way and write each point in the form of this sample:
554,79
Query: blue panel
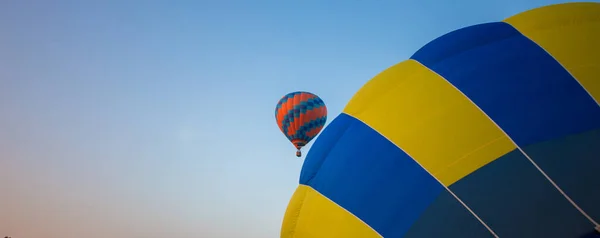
515,200
458,42
322,146
447,218
363,172
591,234
520,86
573,163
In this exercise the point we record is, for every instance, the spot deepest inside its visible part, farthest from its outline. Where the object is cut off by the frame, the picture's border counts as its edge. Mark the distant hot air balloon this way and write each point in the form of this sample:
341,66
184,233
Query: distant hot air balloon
300,116
492,130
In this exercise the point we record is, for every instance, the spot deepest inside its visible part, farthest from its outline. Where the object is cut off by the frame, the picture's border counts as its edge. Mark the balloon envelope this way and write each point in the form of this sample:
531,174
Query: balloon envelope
492,130
300,117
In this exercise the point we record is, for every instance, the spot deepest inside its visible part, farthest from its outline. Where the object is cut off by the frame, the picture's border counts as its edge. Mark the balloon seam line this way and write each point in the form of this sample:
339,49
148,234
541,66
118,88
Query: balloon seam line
559,63
343,208
318,168
430,174
522,151
295,222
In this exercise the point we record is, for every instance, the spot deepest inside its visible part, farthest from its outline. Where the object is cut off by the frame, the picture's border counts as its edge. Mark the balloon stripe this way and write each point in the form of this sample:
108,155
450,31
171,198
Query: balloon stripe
574,46
430,113
434,115
286,121
510,70
516,200
278,114
502,121
347,166
312,126
295,113
561,106
322,217
568,45
282,106
304,118
314,131
290,118
301,133
308,117
301,118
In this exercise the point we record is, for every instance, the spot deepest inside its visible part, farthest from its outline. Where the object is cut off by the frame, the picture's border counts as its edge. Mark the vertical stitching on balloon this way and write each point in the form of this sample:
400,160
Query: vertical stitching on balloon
436,179
522,151
297,216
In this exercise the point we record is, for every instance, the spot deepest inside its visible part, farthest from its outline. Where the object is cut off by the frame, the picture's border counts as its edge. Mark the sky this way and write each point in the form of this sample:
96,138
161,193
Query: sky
148,118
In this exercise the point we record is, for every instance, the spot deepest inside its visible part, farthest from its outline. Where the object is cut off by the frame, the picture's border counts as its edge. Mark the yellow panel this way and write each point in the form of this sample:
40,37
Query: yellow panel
311,215
431,120
571,33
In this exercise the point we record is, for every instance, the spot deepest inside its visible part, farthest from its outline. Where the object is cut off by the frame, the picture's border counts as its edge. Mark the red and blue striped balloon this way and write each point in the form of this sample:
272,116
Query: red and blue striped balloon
300,116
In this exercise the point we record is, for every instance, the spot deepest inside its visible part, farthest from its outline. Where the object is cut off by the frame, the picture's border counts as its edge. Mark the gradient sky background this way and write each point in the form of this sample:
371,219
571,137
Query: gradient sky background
148,119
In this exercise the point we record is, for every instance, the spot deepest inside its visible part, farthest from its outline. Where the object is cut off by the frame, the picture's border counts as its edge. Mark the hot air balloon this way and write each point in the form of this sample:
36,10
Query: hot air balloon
492,130
300,116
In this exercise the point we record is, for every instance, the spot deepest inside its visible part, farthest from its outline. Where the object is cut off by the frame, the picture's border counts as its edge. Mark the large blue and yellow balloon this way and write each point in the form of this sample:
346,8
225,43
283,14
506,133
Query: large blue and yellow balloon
492,130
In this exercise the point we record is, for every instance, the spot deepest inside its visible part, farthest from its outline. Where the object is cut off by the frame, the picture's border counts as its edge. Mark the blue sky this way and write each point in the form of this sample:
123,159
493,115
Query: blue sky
155,118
